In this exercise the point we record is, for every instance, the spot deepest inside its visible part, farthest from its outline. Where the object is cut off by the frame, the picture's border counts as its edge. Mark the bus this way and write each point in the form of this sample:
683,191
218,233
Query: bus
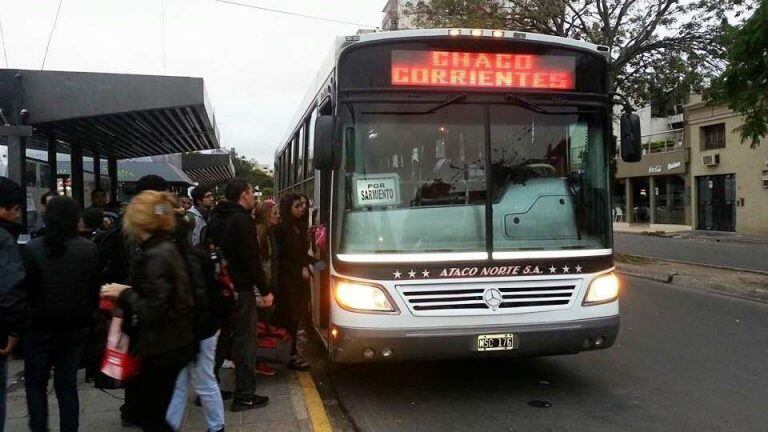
462,177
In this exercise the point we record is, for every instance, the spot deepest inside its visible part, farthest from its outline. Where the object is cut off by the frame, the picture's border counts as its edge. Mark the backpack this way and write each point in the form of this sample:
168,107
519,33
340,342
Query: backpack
112,260
208,296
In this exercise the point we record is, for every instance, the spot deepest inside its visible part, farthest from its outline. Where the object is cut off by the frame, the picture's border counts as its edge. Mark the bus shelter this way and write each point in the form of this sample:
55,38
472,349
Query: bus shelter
208,168
101,116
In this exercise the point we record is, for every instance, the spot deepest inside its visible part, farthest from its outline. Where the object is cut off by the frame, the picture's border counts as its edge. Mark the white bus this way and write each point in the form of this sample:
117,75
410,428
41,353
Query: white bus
463,177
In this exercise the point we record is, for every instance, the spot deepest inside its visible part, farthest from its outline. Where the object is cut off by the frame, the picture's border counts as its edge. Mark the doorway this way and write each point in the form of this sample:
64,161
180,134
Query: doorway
716,202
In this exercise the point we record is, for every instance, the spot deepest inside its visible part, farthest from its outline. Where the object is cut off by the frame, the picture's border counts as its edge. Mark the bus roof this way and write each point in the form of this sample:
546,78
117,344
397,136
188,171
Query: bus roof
342,42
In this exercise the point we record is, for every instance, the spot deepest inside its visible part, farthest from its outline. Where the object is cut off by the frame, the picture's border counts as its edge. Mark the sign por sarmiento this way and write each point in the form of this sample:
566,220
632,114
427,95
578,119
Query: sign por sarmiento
376,189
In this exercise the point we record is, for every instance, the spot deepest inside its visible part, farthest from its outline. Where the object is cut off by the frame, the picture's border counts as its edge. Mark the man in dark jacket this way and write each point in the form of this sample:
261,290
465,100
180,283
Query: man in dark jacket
12,271
232,229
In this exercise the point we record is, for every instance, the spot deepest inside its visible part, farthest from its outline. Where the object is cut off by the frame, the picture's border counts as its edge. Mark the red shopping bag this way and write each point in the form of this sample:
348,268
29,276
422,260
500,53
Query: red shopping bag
321,239
117,362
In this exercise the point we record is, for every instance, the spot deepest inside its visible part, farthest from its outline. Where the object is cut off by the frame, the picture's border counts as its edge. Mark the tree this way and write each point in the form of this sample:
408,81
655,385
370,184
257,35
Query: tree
656,47
251,173
744,83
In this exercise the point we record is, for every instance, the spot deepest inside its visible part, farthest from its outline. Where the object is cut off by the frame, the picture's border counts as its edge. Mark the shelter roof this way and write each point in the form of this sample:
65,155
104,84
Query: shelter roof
119,115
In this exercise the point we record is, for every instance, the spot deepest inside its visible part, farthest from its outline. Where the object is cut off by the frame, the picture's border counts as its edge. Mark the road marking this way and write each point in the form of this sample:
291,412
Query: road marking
317,414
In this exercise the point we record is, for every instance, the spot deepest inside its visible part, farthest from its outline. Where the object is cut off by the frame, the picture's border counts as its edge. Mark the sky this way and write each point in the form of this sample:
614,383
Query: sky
257,65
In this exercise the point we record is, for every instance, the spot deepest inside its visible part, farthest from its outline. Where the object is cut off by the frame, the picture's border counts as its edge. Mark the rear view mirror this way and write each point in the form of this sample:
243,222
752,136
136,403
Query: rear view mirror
630,138
327,144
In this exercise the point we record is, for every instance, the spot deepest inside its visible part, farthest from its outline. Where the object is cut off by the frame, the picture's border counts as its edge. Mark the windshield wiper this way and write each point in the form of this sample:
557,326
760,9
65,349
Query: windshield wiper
525,103
443,104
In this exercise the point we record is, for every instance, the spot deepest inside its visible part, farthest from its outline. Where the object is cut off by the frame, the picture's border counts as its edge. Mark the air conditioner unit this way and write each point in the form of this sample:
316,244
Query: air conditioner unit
711,160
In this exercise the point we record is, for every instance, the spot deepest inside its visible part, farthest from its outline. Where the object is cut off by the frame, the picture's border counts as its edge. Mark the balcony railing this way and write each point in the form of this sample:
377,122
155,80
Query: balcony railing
662,142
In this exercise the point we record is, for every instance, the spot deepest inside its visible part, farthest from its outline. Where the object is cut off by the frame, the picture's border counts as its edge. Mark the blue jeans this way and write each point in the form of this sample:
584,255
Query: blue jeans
62,352
200,373
3,387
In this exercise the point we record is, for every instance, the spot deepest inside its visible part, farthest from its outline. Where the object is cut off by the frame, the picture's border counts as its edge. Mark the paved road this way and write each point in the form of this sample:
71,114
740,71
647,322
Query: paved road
751,256
684,360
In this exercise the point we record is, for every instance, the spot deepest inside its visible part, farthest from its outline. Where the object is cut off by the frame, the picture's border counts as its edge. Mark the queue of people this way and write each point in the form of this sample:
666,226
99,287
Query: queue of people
189,280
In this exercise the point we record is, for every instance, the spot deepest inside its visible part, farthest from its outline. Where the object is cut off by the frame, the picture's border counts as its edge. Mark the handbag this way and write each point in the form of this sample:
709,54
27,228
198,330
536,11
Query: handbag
117,362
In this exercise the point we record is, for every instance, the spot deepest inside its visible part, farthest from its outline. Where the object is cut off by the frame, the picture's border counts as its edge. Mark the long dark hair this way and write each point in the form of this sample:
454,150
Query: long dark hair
286,202
305,218
62,216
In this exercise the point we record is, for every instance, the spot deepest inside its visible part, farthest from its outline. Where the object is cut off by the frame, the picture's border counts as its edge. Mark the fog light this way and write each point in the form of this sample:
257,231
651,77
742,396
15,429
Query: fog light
476,32
369,353
599,341
334,332
386,352
587,343
454,32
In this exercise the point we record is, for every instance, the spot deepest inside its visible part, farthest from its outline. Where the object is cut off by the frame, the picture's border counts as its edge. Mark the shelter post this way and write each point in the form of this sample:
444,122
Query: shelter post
78,187
112,172
52,185
16,138
96,170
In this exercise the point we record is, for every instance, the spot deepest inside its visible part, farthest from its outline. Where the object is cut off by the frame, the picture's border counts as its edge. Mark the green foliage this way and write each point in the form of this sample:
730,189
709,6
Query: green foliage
659,50
744,83
244,169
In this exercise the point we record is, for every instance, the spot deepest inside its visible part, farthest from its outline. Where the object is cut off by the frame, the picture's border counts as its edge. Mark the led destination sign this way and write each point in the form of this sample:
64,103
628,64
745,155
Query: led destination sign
489,70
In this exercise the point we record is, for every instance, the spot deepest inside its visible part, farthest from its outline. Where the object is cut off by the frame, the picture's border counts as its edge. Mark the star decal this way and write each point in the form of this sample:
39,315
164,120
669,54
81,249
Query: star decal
425,274
578,268
397,274
566,269
553,269
411,274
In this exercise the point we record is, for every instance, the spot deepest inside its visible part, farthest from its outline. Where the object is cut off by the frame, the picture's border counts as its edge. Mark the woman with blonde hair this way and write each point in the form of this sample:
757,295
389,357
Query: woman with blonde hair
267,218
158,306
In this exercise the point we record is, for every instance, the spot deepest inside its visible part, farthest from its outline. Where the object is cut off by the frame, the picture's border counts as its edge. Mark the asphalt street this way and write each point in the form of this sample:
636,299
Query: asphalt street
750,256
684,360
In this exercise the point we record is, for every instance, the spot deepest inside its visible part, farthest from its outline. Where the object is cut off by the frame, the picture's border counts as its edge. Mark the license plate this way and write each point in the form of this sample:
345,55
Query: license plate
496,342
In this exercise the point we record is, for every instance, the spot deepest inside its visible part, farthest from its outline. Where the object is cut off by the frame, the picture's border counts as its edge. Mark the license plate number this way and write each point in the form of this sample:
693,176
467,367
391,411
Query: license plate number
496,342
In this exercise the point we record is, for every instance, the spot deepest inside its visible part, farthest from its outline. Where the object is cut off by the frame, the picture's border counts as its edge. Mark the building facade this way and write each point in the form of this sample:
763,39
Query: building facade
729,178
656,190
397,15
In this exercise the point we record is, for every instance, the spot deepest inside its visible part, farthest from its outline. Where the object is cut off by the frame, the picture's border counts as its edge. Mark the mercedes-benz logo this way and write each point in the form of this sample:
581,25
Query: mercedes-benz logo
492,298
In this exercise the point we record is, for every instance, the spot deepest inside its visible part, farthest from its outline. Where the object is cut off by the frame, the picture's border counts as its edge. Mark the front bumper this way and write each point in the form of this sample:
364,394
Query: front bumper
439,343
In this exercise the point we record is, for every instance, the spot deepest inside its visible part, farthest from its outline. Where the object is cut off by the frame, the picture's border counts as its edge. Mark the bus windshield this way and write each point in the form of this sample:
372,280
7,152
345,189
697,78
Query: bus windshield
419,179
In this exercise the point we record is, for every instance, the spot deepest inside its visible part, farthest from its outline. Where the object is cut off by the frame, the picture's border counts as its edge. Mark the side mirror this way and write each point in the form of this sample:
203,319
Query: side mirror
327,144
630,138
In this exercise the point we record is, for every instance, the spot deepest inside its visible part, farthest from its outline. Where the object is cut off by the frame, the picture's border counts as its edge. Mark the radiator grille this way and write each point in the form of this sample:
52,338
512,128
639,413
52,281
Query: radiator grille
528,296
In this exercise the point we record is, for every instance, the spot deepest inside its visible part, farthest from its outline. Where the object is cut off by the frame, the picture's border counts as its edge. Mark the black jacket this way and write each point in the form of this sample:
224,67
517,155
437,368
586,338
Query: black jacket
12,299
293,246
62,291
232,229
159,306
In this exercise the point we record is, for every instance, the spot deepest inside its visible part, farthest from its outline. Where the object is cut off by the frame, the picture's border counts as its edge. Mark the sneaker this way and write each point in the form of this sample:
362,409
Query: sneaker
254,401
264,369
298,363
302,336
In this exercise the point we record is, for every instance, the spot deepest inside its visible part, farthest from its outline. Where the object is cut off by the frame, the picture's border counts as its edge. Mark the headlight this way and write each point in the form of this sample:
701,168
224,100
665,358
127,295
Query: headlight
603,289
361,297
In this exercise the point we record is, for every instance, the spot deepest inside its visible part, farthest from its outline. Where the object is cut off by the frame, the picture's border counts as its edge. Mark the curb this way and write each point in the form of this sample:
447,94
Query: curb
680,235
716,266
317,415
698,288
653,277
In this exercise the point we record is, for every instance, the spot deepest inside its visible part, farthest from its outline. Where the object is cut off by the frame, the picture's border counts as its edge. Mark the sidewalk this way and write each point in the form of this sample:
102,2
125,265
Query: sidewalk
685,232
99,411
